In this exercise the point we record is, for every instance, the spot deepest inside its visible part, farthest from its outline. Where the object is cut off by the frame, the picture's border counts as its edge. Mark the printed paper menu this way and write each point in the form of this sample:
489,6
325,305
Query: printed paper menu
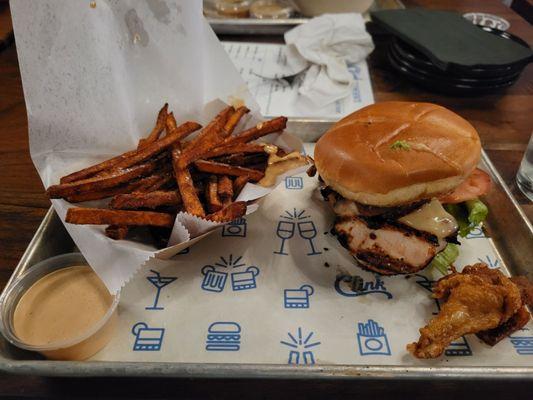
280,96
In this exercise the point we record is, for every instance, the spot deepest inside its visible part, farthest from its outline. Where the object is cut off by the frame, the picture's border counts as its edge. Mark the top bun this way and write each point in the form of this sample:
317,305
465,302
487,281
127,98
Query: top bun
393,153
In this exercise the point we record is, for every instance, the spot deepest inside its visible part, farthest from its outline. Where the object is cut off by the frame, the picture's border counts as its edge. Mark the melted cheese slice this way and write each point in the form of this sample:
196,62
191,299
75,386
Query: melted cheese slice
431,218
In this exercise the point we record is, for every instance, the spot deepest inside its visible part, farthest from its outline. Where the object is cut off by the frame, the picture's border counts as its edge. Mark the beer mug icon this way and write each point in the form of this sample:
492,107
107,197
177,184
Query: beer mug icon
244,280
214,281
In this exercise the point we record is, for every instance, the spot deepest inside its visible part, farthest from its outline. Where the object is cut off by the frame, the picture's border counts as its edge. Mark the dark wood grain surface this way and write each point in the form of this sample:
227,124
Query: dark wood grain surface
504,122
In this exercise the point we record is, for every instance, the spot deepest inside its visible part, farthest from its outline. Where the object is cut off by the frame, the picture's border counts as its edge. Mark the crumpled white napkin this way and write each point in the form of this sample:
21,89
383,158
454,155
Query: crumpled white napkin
320,49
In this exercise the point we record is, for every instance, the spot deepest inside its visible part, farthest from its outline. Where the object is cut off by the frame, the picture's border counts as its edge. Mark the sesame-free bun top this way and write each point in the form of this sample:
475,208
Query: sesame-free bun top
394,153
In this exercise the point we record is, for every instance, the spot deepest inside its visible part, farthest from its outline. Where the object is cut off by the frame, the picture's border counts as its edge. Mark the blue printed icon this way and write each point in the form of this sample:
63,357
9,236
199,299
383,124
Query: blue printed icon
185,251
147,339
300,353
372,339
223,336
492,262
476,233
215,280
287,227
522,344
244,280
159,282
235,228
294,182
297,298
459,347
354,286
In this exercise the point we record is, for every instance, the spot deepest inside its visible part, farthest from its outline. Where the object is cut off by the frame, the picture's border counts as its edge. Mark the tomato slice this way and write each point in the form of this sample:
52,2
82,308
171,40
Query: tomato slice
477,184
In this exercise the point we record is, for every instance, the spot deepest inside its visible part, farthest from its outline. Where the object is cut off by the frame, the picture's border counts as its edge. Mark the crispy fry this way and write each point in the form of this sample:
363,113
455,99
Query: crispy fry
158,146
132,201
101,182
229,213
98,216
242,159
234,149
238,185
158,128
190,199
225,189
171,124
209,138
234,119
94,169
225,169
102,194
261,129
117,232
211,195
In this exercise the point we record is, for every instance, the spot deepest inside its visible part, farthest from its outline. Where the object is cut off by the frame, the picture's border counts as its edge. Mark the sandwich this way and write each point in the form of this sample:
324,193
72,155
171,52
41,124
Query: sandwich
403,182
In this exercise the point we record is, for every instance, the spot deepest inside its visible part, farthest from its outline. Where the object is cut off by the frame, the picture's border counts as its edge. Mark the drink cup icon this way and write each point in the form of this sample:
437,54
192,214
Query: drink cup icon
213,281
284,231
147,339
307,230
298,298
244,280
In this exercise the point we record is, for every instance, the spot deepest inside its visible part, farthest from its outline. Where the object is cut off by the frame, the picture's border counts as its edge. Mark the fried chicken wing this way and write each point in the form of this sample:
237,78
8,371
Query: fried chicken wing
475,300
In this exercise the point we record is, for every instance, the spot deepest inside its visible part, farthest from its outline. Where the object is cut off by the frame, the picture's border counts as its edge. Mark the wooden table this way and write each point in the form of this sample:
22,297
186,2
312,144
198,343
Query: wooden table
504,122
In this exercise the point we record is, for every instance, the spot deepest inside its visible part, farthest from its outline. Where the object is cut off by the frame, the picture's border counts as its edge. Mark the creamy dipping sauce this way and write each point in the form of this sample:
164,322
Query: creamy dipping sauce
431,218
62,305
277,166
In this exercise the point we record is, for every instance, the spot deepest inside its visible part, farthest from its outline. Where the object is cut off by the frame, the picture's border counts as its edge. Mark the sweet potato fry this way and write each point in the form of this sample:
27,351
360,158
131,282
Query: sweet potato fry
99,216
225,189
242,159
209,138
94,169
234,149
158,146
238,185
189,197
225,169
158,198
158,128
117,232
211,195
100,182
229,213
234,119
261,129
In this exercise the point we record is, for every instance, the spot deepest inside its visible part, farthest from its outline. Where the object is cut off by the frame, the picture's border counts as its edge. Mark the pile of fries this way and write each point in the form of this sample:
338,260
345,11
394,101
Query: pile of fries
166,174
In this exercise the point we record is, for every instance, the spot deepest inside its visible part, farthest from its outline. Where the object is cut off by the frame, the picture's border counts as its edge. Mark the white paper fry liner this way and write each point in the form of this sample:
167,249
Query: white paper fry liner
274,288
94,78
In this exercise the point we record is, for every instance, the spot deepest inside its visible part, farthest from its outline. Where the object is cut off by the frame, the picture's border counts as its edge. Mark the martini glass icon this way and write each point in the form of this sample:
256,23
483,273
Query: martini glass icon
159,282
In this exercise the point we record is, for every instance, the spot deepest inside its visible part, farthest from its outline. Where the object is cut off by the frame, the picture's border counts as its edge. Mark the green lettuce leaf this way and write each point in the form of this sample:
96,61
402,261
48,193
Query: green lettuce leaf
445,258
468,215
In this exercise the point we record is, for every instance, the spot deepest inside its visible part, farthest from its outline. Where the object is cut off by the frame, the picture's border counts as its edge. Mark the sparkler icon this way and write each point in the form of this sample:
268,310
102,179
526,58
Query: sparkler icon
299,353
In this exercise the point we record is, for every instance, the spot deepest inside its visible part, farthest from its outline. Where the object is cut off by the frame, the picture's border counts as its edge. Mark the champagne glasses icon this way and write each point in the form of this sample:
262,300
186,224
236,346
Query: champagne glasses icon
284,231
308,231
159,282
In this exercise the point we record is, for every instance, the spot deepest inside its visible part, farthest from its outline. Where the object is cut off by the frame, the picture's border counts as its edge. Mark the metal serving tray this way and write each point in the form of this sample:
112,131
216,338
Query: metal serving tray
508,226
253,26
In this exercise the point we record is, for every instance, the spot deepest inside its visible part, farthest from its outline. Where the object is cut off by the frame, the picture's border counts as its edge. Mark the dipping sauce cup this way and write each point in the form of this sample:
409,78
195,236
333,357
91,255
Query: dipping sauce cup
59,308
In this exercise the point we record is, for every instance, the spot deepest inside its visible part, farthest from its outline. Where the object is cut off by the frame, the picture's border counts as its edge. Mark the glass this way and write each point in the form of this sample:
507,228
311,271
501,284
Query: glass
270,9
285,231
159,282
524,177
308,231
233,8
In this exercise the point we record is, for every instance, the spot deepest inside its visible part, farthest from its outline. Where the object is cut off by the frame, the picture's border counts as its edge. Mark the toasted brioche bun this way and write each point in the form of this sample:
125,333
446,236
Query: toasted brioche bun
356,157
